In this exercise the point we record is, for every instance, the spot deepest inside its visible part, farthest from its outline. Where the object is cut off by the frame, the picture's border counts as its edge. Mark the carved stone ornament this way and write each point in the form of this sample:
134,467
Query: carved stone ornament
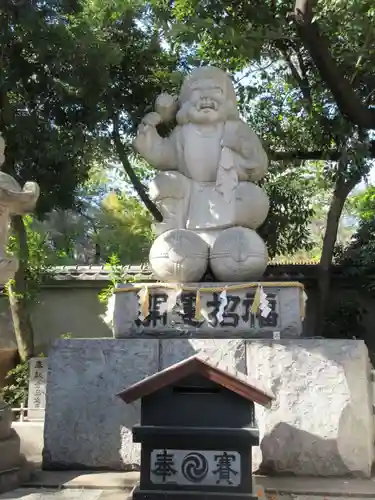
207,186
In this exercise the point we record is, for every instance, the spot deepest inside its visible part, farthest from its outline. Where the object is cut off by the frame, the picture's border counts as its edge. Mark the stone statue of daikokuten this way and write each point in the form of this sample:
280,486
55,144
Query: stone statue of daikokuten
206,186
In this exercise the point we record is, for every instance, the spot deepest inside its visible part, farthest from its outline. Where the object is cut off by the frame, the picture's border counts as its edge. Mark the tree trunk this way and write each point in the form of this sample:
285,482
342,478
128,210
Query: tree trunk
97,254
18,299
339,197
347,100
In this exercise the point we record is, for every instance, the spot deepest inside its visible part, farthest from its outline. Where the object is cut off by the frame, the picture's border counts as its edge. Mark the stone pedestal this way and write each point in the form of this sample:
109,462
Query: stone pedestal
319,424
13,466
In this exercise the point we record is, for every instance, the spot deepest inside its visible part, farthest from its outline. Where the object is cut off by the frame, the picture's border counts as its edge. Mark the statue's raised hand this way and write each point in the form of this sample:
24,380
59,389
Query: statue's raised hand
166,105
148,140
151,120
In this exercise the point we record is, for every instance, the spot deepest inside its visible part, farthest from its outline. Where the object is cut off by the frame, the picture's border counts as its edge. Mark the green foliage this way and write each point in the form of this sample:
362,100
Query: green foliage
129,67
273,104
66,336
358,258
116,276
286,228
41,258
123,229
65,73
16,390
49,138
237,35
108,220
291,118
345,319
363,204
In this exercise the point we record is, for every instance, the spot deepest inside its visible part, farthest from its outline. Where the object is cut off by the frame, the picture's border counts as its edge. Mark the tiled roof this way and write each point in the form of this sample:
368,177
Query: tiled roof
280,271
98,273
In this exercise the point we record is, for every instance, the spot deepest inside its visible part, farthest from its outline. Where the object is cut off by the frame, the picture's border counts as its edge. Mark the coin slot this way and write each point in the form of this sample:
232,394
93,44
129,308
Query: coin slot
196,390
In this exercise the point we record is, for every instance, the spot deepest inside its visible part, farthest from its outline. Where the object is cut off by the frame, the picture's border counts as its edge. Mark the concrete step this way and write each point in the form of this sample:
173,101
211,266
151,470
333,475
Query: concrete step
62,494
124,481
284,486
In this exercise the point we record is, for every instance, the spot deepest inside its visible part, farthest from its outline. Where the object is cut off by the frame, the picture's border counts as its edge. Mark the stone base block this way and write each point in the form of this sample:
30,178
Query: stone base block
10,451
319,424
14,478
8,361
6,418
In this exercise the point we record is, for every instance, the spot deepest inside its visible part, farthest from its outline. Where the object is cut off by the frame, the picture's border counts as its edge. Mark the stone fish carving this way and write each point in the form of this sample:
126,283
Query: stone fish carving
206,189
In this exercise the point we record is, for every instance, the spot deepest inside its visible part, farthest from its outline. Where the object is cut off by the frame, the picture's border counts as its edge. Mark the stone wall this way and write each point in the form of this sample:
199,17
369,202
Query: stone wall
61,310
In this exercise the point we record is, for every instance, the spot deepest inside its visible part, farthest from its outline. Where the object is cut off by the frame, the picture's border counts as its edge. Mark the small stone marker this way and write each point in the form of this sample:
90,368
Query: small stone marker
37,388
196,433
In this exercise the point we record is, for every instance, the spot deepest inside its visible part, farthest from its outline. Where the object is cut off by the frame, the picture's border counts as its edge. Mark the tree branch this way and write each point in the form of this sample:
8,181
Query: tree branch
317,45
302,63
305,8
300,79
330,155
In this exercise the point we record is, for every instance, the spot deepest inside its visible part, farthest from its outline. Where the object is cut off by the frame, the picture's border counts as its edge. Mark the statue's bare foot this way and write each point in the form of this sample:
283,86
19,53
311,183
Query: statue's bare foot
179,256
238,254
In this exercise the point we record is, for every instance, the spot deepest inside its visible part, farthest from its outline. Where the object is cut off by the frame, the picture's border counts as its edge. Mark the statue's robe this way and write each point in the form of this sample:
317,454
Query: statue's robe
209,175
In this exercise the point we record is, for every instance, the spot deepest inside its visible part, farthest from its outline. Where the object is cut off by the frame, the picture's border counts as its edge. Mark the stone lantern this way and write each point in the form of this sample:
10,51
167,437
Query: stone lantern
14,200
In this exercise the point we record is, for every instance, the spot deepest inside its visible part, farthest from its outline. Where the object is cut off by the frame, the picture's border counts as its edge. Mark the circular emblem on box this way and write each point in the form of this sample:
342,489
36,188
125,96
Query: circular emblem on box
194,467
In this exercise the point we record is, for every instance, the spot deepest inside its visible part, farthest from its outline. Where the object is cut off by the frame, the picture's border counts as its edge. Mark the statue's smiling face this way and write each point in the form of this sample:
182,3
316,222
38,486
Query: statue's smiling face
206,103
207,97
